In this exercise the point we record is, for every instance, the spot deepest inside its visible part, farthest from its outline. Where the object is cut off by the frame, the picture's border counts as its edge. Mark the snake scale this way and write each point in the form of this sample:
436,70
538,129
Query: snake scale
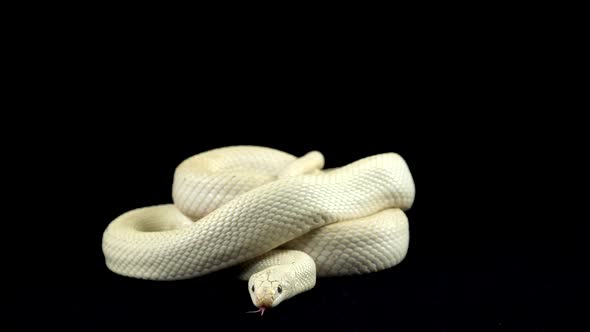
283,220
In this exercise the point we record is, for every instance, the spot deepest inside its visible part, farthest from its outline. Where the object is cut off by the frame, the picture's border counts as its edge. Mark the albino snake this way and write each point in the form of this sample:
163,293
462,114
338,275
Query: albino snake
234,205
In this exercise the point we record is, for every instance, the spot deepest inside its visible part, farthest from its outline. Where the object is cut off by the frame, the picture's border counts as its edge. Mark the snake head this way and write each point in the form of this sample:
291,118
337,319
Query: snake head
270,287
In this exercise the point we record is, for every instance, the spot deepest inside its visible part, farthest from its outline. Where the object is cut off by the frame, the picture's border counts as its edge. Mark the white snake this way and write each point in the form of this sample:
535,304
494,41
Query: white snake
281,218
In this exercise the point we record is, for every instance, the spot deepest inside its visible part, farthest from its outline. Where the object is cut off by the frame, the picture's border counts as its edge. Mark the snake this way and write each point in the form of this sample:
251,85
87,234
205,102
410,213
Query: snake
280,220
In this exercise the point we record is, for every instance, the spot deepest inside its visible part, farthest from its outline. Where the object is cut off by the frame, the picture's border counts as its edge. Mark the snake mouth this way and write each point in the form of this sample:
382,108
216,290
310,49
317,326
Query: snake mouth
260,310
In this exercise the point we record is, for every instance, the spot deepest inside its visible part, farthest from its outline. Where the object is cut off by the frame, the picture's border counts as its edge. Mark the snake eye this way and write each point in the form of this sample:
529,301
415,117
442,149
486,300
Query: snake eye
279,289
252,288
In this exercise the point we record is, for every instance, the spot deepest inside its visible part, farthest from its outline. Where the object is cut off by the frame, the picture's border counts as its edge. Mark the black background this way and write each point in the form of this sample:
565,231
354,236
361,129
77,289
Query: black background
492,247
478,259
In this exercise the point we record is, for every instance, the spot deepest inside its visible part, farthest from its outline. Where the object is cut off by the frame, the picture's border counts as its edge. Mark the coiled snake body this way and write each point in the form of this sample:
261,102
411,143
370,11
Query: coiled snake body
282,218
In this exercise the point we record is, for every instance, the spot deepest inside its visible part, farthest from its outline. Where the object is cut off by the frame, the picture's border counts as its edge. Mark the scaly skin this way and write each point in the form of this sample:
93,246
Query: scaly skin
236,205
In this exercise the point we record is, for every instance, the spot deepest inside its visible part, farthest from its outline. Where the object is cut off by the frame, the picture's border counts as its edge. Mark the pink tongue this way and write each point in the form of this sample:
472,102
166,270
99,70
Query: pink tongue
261,311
